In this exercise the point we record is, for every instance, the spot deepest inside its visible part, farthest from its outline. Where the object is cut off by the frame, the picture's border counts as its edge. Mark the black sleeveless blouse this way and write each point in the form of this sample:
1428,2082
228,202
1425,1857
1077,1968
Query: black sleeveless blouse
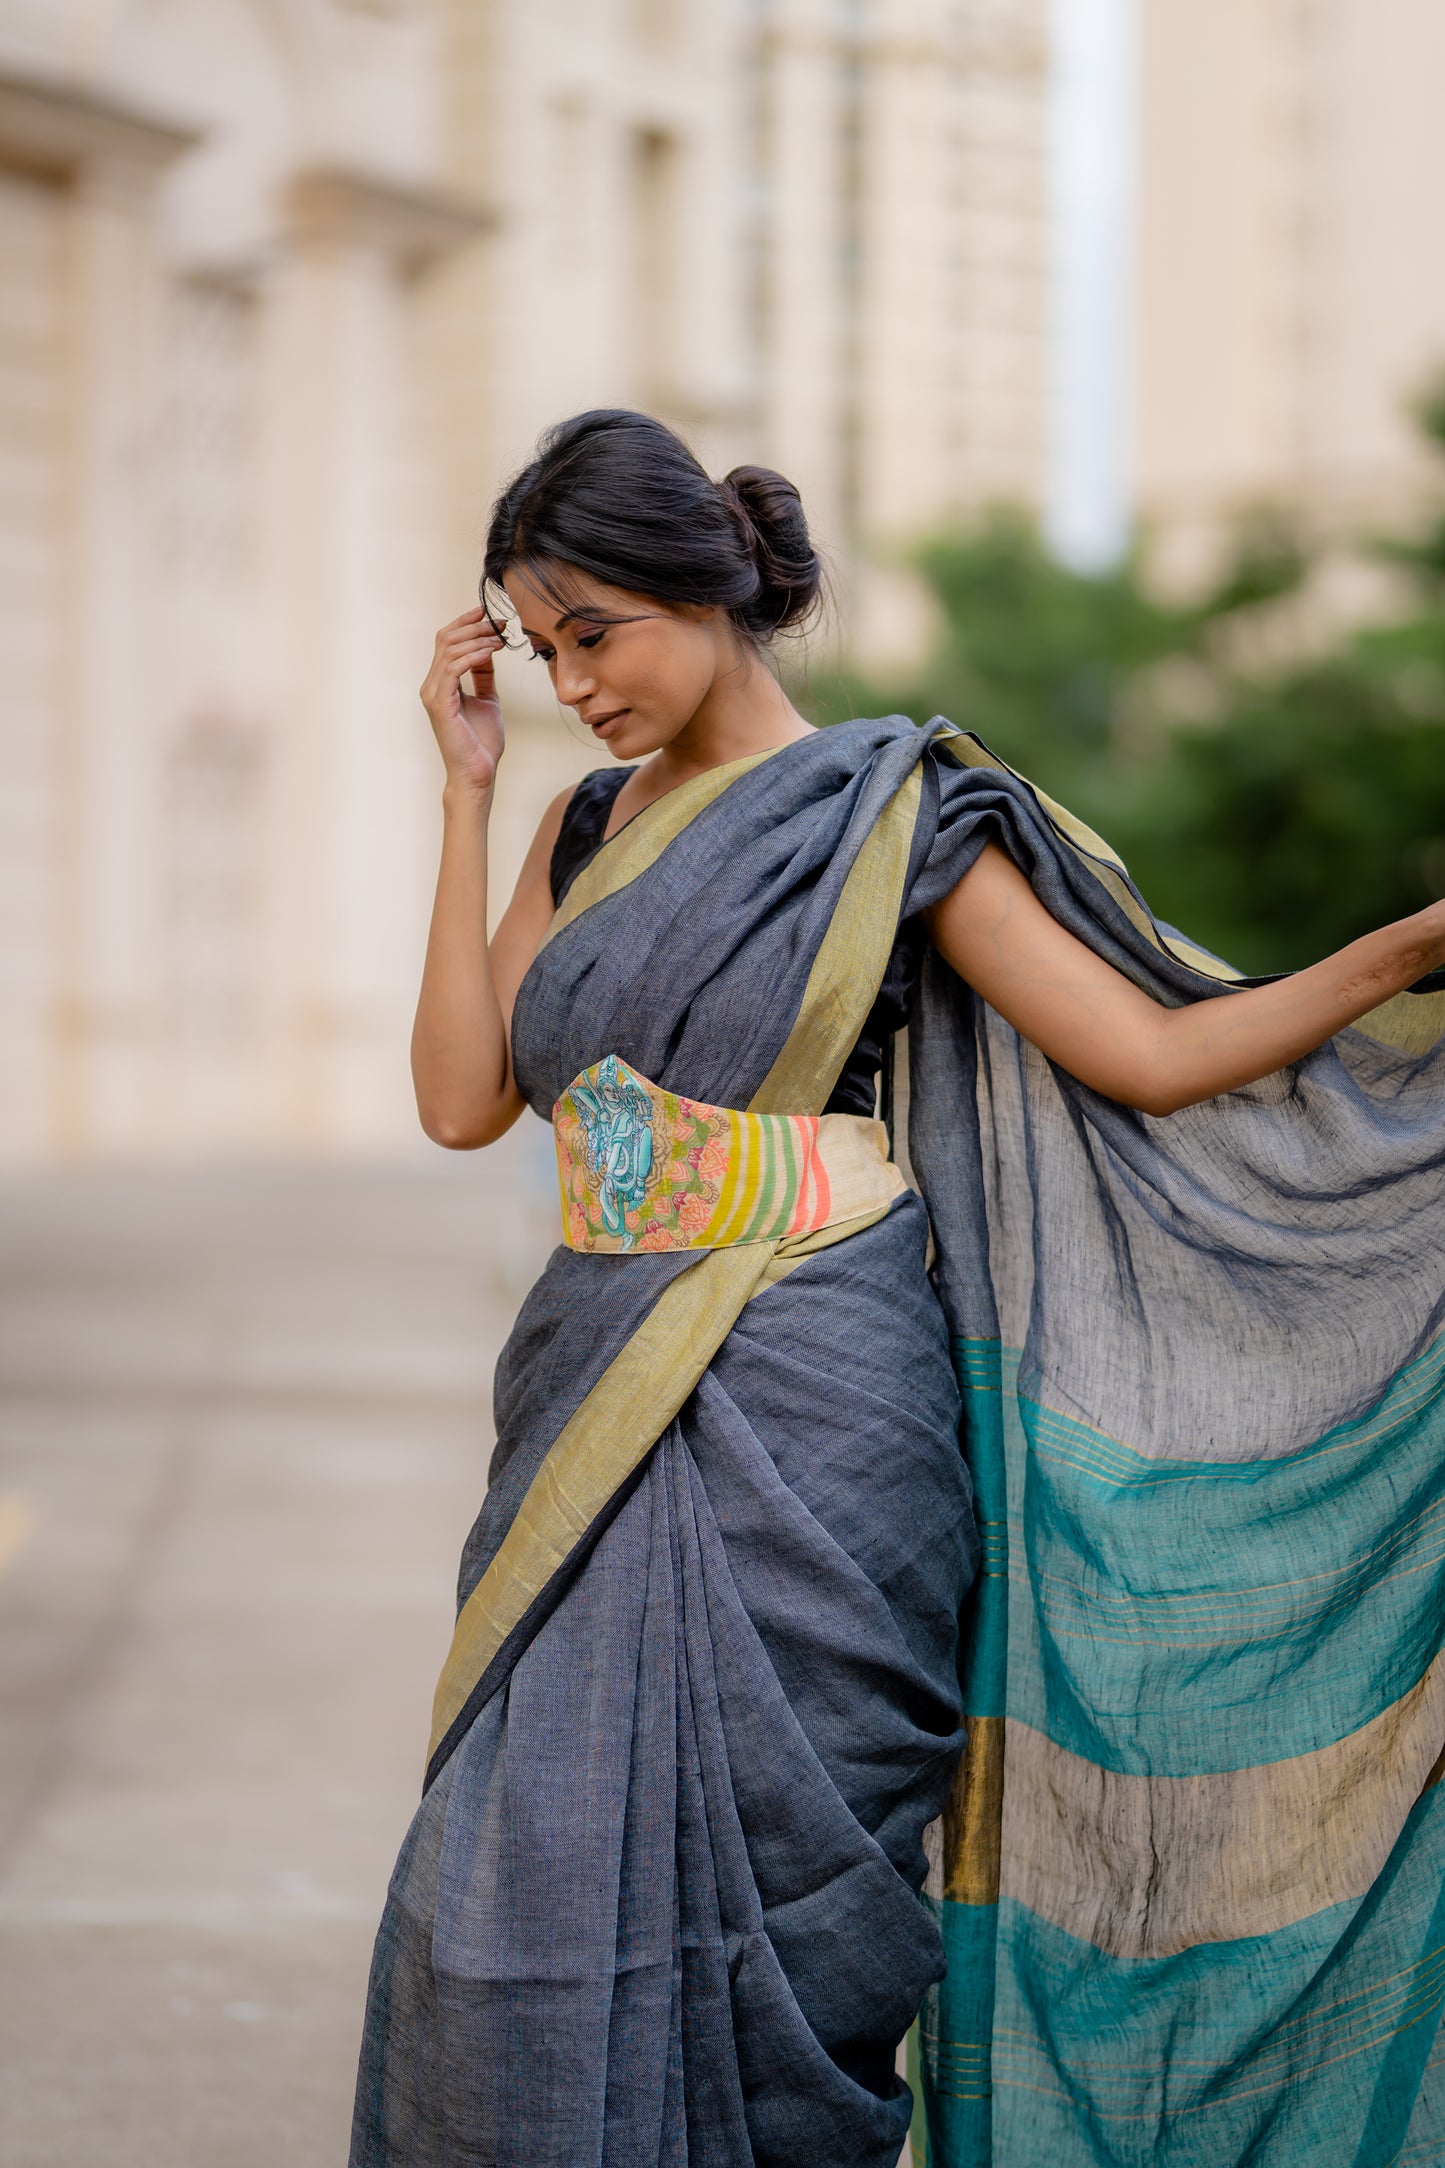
856,1091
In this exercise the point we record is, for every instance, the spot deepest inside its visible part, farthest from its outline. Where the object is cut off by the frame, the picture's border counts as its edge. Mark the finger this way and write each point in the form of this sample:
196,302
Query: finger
468,617
449,667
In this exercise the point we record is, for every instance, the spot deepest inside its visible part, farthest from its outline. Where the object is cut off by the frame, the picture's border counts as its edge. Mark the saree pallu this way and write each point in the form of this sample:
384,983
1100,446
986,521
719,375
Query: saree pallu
1190,1876
700,1729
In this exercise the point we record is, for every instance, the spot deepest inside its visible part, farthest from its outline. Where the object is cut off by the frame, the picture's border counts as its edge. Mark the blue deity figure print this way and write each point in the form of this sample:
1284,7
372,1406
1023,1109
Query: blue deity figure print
616,1116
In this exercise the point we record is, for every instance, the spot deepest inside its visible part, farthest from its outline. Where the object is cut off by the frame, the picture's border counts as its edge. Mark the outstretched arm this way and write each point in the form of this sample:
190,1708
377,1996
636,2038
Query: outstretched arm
1092,1021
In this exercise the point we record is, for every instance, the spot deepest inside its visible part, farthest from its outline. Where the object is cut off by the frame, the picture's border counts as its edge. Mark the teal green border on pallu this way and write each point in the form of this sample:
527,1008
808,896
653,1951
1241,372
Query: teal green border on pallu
951,2045
1294,2050
1425,2146
955,2043
1306,2045
979,1366
1188,1618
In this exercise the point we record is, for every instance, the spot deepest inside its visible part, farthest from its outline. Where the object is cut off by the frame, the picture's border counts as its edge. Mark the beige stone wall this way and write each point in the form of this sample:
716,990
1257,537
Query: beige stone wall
900,258
31,518
1291,233
606,136
218,221
289,289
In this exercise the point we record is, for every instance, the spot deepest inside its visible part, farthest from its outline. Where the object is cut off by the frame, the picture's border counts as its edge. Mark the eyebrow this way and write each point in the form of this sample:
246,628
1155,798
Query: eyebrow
567,618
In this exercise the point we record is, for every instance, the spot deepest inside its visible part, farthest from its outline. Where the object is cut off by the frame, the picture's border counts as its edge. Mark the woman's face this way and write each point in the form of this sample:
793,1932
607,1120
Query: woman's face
636,685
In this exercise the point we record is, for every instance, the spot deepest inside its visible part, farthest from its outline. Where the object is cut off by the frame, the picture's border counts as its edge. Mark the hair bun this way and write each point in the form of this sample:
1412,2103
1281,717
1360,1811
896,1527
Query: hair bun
790,575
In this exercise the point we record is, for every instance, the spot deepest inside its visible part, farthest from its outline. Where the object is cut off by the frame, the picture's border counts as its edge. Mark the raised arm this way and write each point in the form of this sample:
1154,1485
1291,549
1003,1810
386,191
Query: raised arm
461,1056
1092,1021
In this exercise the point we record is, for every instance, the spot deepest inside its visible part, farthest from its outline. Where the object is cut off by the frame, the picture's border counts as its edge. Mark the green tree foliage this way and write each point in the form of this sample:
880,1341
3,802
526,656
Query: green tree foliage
1274,813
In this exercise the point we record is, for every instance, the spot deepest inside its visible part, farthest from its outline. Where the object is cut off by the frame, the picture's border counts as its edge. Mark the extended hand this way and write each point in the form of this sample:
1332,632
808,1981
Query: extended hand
468,726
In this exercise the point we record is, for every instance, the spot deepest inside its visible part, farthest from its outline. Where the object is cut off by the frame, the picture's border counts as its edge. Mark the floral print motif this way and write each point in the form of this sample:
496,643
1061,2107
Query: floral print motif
641,1168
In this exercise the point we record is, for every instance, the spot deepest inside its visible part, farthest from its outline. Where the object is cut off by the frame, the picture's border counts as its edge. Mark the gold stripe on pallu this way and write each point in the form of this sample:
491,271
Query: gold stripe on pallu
641,1391
1411,1023
973,1817
643,840
1143,1867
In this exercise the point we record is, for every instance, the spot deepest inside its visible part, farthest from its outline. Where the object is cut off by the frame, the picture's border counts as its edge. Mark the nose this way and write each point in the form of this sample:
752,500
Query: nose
572,682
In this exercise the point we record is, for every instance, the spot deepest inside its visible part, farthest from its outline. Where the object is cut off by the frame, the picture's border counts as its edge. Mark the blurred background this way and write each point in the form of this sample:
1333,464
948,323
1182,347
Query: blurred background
1103,339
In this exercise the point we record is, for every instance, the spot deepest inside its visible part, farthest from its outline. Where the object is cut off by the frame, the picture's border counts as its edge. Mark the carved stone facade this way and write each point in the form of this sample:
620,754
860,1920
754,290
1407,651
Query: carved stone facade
290,286
217,220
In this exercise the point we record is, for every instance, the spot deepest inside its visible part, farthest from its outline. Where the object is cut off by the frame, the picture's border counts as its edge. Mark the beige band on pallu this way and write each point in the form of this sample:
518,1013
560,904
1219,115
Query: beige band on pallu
643,1388
1147,1866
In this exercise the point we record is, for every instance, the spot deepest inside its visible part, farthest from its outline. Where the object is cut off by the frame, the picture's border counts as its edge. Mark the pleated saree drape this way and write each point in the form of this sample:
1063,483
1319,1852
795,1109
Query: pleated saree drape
699,1734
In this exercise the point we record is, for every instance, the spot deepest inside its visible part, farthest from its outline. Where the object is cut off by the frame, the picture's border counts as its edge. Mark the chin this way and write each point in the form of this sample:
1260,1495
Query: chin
635,740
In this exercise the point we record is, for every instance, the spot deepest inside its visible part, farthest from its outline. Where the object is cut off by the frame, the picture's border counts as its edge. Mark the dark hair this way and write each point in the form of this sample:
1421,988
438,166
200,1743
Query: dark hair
620,496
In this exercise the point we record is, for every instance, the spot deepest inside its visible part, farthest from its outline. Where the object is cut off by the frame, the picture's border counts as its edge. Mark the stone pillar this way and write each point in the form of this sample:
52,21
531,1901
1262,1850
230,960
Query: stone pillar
347,542
108,160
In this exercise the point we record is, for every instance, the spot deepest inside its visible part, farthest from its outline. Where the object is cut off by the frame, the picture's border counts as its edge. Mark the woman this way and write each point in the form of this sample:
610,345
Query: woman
697,1747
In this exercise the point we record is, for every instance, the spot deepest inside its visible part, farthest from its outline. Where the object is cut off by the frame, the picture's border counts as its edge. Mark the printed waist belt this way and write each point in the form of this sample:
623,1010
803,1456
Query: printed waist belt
645,1169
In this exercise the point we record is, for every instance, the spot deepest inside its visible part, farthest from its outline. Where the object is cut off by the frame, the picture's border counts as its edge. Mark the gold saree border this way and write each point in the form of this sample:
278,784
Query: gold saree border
849,966
645,1385
617,1424
1410,1023
642,841
614,1430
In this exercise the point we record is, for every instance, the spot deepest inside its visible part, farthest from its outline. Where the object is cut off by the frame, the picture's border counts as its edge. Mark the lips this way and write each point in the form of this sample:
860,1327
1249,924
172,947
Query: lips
603,723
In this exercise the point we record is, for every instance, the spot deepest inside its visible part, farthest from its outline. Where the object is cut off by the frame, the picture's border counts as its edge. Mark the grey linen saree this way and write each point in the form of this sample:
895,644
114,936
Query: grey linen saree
699,1736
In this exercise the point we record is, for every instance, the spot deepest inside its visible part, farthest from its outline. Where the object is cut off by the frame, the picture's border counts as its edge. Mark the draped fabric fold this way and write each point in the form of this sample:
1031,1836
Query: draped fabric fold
1189,1877
696,1839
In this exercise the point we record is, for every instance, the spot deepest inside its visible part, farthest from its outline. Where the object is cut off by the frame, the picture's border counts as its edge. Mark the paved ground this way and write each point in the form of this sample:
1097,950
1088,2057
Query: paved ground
243,1425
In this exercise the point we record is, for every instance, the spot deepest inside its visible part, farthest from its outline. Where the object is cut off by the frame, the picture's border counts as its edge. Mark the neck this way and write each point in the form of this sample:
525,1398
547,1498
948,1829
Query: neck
745,712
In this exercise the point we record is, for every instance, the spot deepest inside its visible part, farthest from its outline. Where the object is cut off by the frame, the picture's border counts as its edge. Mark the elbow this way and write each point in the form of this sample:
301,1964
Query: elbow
453,1136
1158,1096
1157,1104
457,1133
1160,1083
1162,1095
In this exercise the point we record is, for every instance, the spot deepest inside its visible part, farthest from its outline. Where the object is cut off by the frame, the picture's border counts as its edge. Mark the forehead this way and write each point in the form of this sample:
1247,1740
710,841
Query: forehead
576,592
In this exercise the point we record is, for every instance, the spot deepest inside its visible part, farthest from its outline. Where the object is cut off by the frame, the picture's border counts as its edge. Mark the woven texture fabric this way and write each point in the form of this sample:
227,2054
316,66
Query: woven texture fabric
1189,1879
659,1902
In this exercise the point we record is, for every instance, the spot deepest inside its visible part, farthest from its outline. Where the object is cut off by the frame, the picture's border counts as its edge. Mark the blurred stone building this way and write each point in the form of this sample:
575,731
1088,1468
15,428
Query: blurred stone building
1290,269
289,286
